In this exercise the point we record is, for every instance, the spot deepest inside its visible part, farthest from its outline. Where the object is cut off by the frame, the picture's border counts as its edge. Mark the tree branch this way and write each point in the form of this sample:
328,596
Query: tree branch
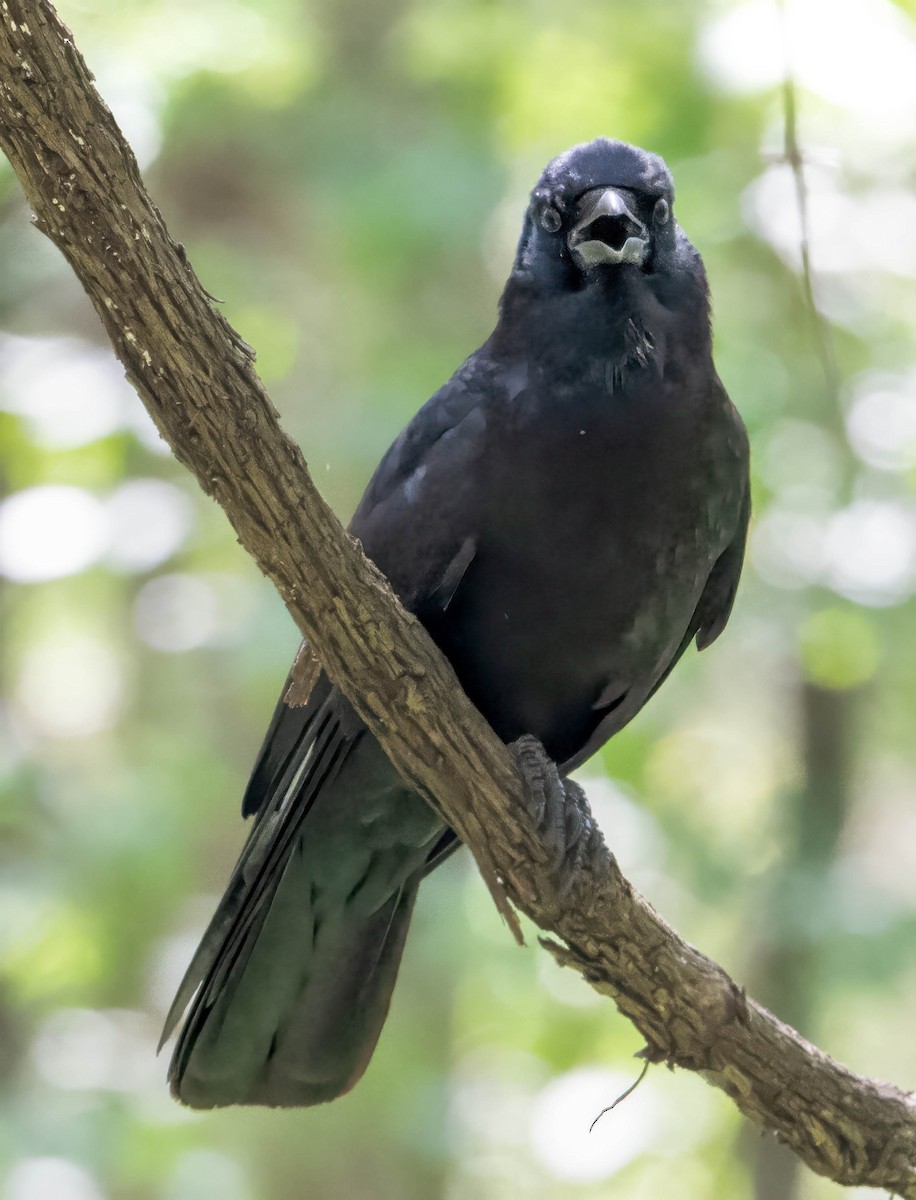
195,375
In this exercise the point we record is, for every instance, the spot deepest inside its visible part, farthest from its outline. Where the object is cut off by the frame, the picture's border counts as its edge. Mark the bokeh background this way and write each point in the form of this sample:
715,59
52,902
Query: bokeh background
349,177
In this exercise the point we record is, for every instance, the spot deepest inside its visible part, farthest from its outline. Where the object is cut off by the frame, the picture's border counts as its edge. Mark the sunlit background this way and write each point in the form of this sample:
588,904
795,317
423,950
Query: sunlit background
349,177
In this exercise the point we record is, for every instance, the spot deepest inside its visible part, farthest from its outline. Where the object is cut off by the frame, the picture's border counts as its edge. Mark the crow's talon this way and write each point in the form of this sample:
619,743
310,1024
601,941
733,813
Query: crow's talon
558,806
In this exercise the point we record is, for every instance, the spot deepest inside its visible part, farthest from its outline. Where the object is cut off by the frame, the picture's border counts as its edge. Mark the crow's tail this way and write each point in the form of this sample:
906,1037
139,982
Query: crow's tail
293,978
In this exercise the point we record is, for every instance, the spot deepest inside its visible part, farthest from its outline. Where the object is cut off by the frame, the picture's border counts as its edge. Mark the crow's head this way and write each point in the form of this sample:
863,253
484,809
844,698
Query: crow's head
600,205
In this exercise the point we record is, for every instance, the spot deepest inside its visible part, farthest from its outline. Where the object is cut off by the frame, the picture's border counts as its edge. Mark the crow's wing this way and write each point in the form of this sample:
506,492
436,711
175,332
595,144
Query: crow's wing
718,597
420,515
709,619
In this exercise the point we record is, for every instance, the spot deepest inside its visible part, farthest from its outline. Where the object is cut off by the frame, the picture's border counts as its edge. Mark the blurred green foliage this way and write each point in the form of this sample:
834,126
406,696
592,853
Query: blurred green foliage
349,178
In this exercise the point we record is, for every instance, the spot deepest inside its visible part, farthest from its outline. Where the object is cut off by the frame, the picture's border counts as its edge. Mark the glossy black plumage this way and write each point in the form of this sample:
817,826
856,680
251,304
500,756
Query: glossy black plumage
565,516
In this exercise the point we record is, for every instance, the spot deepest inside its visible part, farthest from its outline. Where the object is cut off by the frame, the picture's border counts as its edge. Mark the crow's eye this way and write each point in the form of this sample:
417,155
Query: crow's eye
551,219
662,211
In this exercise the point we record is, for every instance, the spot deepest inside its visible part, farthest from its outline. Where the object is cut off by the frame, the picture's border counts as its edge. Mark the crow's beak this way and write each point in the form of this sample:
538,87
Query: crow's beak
607,231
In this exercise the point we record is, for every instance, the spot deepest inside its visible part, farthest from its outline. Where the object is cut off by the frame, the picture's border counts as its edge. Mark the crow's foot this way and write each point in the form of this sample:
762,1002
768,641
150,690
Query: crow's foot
559,808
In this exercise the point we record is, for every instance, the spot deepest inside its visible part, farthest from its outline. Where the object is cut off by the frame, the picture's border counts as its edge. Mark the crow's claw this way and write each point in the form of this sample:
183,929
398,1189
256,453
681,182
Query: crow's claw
559,808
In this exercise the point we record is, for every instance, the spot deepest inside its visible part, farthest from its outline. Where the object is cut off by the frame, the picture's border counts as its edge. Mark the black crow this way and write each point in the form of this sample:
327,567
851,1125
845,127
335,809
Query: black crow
564,516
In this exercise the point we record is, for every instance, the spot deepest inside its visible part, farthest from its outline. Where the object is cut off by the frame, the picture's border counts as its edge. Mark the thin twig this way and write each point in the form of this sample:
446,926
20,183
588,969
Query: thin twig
792,154
623,1095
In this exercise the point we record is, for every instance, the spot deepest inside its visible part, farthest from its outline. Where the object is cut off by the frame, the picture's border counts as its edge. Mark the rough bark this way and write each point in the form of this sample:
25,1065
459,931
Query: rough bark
196,377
